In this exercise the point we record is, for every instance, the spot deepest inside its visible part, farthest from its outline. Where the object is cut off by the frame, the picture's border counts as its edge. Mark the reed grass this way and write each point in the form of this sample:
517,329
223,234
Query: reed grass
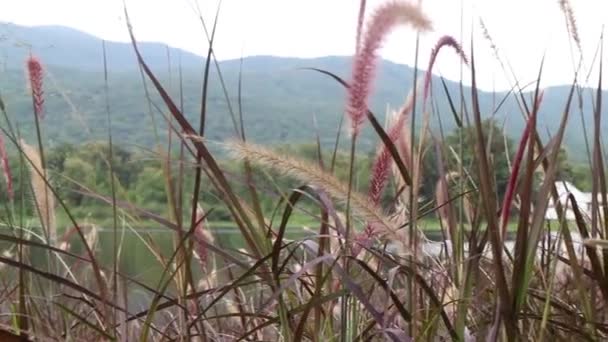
356,274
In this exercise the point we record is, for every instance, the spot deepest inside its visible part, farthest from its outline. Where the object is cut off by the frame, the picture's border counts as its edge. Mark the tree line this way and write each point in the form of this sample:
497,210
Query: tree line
147,178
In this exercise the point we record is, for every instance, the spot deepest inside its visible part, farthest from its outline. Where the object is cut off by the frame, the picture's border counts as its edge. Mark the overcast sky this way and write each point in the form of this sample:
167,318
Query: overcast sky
522,29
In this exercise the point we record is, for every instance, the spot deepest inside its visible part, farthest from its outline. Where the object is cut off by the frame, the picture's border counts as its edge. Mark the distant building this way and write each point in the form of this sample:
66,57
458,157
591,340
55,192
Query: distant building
583,199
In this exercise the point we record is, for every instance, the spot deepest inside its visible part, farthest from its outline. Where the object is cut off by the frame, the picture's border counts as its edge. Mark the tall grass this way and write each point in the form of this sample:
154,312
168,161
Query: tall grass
364,271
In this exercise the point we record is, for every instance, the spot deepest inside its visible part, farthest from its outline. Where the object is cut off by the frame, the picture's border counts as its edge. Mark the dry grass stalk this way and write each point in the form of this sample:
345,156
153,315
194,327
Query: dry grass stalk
43,196
201,236
442,198
6,170
92,236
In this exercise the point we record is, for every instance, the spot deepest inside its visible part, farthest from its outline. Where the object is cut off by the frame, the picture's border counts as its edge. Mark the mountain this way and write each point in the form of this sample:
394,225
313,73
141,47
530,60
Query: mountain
69,48
279,97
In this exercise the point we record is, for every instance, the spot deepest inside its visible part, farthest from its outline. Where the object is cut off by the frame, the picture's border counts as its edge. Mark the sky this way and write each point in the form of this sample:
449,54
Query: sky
522,30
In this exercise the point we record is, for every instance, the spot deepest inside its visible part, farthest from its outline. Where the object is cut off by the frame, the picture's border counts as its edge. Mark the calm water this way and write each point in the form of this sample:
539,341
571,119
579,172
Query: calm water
137,261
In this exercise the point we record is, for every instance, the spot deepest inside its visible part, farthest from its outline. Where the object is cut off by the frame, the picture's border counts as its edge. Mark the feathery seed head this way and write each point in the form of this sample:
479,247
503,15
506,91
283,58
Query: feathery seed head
201,236
443,41
566,8
383,21
486,34
383,161
379,177
43,196
310,173
35,76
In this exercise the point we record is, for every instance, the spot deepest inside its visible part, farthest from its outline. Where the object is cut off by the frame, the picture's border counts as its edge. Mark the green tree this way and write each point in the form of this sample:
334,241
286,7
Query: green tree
565,170
79,171
498,146
150,186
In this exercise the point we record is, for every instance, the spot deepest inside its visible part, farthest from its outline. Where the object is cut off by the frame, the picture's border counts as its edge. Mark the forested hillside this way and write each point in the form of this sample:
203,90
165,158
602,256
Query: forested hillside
278,97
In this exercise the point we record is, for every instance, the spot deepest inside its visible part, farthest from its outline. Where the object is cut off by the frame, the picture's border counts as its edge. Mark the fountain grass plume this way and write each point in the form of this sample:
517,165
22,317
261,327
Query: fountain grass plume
43,197
383,161
382,166
201,236
310,173
382,22
379,176
35,76
486,34
443,41
6,170
566,8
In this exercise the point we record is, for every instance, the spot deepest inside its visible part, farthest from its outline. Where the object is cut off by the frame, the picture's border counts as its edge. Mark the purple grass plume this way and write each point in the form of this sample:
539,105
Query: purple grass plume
35,76
382,22
383,162
382,166
443,41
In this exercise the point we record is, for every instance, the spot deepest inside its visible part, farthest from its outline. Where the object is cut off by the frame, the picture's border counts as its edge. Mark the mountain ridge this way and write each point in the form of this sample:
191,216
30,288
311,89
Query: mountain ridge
54,45
278,96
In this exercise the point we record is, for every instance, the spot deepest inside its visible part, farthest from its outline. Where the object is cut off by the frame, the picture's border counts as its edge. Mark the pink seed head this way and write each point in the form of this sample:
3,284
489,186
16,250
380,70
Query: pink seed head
35,75
443,41
382,22
379,176
383,161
